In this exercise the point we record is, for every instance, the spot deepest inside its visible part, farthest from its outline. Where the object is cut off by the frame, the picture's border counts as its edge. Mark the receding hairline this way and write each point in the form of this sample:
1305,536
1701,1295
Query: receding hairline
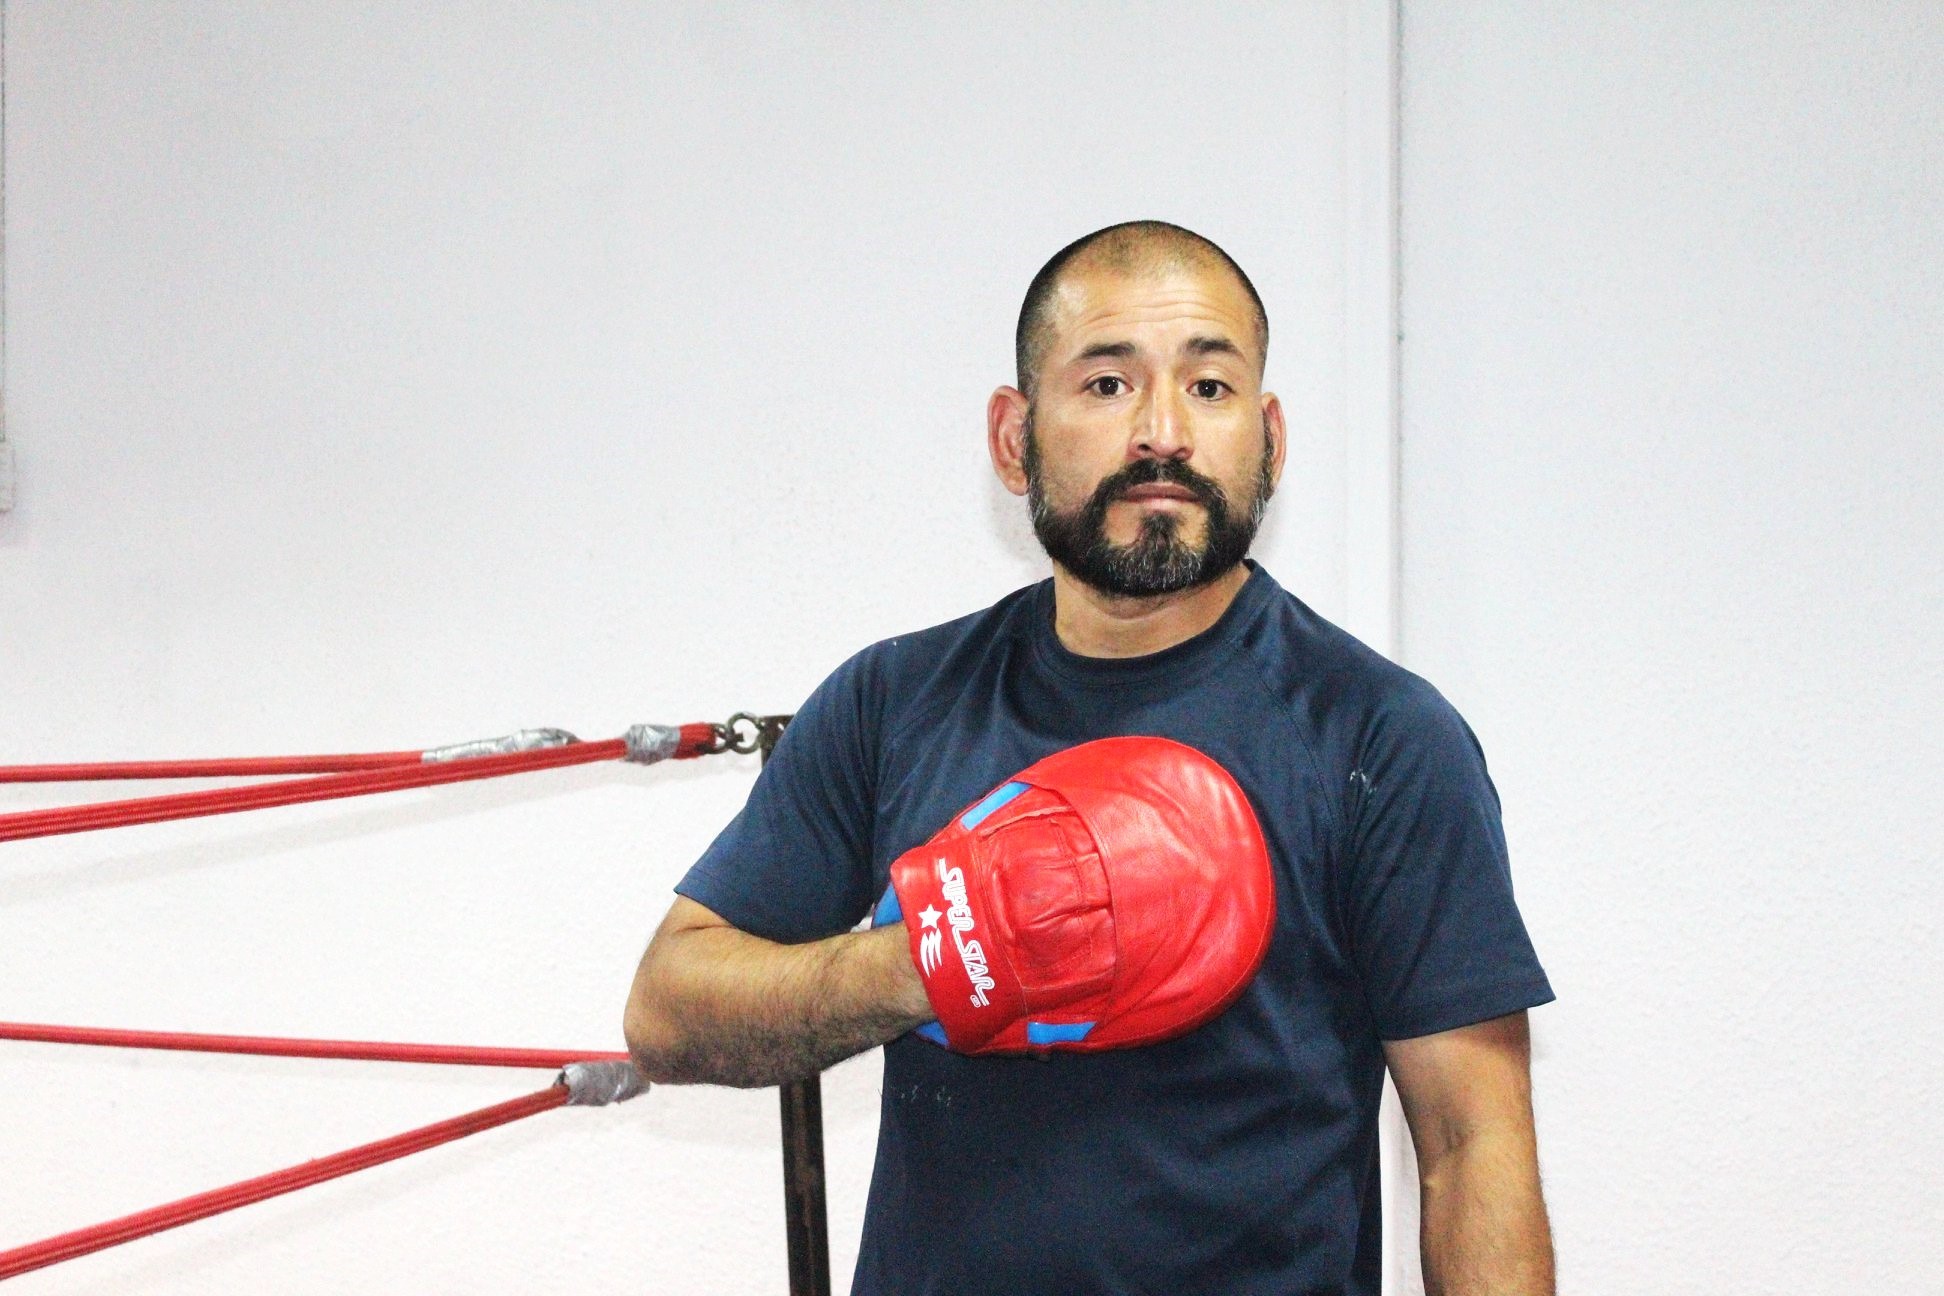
1137,249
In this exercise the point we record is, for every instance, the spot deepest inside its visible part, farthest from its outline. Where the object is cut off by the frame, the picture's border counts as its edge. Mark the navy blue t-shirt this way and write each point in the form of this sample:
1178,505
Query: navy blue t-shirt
1241,1157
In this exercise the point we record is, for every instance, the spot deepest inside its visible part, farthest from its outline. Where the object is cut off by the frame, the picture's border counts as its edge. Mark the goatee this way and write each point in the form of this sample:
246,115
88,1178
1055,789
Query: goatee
1158,560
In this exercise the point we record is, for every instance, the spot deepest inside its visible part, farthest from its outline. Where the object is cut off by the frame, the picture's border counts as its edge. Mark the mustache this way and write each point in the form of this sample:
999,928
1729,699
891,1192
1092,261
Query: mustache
1155,472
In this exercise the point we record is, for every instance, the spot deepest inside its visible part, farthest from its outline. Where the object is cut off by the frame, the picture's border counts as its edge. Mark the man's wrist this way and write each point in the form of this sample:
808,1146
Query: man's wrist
905,990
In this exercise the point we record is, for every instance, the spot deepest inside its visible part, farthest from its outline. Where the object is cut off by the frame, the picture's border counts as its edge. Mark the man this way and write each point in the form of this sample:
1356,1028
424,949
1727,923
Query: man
1242,1155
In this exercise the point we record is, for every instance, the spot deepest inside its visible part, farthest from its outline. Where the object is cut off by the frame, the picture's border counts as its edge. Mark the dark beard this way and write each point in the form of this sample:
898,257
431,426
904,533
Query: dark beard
1158,560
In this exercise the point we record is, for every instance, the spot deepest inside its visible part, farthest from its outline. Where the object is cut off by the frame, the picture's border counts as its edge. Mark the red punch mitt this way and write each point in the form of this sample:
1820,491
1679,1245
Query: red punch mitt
1116,893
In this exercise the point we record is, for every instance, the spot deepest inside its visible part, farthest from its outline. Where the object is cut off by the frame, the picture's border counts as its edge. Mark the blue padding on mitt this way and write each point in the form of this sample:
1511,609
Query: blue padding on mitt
977,814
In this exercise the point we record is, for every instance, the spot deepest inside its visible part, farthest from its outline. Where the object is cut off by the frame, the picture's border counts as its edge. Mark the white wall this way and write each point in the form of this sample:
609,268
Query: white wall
1673,316
388,374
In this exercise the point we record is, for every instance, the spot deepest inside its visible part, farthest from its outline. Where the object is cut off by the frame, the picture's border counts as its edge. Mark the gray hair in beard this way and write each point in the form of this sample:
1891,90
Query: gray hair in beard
1158,560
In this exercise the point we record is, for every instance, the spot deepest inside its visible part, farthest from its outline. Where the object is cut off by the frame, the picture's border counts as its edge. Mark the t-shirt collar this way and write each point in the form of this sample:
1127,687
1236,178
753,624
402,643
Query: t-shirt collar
1172,665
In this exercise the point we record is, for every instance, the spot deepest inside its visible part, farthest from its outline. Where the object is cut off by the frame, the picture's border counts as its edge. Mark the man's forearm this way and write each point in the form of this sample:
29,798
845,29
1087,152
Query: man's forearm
1484,1229
714,1005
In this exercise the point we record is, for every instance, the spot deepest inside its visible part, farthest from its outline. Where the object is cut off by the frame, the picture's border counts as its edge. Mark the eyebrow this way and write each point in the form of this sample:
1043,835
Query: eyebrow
1212,346
1198,345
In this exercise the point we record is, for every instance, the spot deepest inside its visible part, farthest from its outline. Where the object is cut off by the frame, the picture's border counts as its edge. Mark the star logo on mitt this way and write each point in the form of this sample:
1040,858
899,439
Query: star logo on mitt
929,916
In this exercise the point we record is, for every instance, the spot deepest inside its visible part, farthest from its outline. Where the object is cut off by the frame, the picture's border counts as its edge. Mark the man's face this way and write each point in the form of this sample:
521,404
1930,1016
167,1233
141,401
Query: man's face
1149,448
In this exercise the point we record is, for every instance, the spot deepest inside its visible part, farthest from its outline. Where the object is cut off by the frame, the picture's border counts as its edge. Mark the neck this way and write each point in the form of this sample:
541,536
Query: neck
1096,624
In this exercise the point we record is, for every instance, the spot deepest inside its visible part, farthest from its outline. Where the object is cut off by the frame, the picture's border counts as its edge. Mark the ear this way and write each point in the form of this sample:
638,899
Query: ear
1006,437
1278,433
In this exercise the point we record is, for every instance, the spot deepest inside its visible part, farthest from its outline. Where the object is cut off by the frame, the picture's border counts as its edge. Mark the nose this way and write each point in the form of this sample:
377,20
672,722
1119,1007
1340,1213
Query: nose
1162,429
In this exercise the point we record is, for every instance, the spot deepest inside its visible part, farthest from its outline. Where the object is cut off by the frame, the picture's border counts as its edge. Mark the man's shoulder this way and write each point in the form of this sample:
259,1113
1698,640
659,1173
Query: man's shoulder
908,664
1296,645
1323,672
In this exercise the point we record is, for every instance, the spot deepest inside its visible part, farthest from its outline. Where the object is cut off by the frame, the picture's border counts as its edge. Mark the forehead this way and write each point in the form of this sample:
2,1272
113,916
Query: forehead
1148,307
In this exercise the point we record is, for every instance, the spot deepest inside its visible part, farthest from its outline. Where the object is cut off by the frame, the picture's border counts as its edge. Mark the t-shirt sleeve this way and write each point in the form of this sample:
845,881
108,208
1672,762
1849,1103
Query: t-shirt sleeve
1438,940
795,864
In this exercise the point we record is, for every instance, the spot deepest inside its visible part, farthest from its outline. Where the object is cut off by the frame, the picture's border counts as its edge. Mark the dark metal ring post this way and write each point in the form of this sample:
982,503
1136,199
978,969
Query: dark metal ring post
806,1226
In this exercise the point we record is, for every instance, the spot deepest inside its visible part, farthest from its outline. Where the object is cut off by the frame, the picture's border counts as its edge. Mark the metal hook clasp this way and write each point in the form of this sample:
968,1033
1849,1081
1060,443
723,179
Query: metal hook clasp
745,732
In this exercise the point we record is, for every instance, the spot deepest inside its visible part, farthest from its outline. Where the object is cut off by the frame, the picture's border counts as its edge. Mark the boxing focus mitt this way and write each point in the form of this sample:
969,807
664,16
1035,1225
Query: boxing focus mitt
1116,893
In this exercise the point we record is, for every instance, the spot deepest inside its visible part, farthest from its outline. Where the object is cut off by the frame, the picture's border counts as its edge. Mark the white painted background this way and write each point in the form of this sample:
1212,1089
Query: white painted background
1673,363
390,374
394,374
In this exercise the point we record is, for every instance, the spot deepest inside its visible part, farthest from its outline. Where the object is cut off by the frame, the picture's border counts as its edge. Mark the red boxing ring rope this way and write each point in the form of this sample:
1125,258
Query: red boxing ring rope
142,1224
696,740
324,787
80,1242
583,1079
222,767
279,1046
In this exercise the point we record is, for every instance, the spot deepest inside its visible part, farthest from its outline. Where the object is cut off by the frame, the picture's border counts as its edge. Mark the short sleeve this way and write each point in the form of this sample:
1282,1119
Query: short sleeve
795,864
1438,940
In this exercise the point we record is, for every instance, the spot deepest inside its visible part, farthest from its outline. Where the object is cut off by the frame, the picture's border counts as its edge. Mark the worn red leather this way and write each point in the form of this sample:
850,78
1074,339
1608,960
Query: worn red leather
1114,894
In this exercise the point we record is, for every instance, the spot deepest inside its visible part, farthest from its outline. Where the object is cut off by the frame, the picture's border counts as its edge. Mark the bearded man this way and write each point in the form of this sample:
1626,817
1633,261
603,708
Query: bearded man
1234,1148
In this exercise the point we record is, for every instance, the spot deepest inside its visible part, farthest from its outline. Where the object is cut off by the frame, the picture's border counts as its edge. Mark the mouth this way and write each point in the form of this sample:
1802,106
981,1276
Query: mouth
1154,491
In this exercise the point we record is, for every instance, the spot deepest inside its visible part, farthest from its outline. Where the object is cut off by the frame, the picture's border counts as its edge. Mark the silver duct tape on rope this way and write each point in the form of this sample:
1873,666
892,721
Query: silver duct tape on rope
596,1084
648,743
524,740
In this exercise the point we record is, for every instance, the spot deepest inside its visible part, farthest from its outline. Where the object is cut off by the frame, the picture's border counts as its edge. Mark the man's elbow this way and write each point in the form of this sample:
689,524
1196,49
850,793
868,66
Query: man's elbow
652,1043
654,1035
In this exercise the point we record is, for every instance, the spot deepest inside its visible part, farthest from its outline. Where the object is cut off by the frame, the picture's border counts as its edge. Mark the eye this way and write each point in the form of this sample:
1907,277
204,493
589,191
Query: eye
1208,388
1108,385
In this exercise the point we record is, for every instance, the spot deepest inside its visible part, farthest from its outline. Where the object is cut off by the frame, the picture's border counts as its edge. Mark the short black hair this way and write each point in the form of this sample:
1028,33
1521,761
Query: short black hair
1133,246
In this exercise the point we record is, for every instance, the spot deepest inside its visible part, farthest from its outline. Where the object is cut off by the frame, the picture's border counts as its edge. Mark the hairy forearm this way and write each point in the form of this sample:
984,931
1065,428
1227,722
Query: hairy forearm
714,1005
1484,1229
